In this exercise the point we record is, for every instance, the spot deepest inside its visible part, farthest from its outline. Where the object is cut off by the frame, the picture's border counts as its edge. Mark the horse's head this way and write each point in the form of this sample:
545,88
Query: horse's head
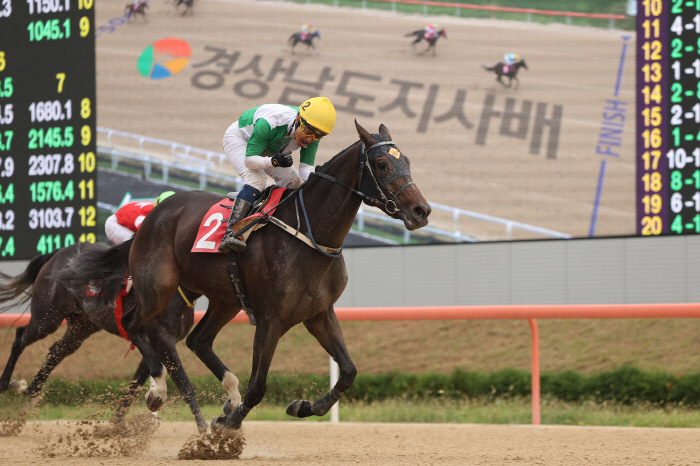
523,64
316,34
385,178
443,33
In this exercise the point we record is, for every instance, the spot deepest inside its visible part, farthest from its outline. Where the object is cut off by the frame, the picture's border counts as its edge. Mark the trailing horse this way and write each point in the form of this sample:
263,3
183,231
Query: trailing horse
511,72
51,303
188,6
295,38
420,35
131,11
286,283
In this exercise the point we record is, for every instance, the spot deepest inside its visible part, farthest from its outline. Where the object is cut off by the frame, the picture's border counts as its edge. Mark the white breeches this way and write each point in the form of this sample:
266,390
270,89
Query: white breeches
235,145
115,232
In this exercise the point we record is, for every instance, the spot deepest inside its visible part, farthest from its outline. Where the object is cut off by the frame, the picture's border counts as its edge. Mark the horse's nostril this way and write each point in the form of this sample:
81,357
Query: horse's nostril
419,213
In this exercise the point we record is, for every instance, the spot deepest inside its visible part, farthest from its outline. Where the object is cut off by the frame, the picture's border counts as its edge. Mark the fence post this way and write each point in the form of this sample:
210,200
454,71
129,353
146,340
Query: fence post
202,181
334,379
393,7
147,167
364,4
115,161
535,372
425,10
165,172
406,236
361,219
458,11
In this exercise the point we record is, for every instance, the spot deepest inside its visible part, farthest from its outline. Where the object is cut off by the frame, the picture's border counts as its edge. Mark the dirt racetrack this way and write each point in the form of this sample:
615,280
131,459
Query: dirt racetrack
322,443
538,154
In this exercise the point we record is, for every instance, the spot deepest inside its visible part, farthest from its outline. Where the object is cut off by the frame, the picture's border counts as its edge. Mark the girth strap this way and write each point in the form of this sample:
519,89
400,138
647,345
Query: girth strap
234,273
187,301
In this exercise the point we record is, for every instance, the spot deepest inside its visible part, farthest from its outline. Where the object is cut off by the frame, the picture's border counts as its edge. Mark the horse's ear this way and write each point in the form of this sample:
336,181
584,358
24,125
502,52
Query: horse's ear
384,132
365,137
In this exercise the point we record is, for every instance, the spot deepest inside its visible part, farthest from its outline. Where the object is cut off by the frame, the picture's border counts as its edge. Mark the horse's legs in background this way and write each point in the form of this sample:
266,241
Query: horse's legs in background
137,381
79,329
200,341
267,336
35,330
326,328
153,286
517,81
164,347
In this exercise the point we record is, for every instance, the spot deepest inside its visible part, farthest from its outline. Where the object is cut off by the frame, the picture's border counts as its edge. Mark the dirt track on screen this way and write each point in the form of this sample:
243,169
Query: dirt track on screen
316,443
495,159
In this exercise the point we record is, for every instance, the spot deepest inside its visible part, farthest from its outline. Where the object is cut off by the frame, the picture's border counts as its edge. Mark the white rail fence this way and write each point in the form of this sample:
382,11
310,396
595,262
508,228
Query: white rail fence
207,165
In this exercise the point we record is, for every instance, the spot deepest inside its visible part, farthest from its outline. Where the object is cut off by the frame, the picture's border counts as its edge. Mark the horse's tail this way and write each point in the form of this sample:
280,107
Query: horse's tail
19,287
291,38
488,69
102,271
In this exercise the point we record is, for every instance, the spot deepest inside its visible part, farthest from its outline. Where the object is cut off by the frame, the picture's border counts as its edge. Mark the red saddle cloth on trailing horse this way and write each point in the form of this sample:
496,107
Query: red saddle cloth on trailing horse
118,308
213,225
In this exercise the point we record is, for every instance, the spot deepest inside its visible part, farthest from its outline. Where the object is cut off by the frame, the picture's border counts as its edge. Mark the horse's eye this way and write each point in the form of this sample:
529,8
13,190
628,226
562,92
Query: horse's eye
383,166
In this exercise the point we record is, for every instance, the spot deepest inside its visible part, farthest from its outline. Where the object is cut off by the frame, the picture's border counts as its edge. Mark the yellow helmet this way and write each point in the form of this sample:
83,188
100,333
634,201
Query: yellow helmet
319,112
162,196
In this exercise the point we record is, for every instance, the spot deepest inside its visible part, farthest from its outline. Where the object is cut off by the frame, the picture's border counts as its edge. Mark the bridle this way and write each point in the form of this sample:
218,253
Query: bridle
372,182
378,182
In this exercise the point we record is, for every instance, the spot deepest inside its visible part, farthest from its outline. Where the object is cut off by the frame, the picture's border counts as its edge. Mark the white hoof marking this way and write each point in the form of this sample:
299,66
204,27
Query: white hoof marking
230,384
18,386
158,387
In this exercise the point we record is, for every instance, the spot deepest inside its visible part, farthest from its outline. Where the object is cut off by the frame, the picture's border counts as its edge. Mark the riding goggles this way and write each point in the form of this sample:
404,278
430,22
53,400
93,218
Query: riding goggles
309,130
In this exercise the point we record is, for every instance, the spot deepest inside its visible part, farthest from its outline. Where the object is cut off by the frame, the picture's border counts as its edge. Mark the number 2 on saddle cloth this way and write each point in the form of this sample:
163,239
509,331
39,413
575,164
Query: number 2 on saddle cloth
213,225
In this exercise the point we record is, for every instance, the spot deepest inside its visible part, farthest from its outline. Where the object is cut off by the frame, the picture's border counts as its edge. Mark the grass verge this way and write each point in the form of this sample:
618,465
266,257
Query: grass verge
511,411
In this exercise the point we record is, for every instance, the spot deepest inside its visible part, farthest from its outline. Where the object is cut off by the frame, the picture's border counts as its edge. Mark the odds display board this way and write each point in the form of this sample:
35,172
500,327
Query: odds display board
668,117
47,126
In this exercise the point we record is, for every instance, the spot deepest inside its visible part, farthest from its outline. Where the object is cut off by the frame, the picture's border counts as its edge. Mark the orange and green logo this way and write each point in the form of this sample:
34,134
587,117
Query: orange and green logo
164,58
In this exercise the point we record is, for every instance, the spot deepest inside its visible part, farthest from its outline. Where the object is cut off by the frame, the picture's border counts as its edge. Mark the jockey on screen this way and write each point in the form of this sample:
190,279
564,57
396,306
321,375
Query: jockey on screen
306,31
509,59
431,31
260,143
122,225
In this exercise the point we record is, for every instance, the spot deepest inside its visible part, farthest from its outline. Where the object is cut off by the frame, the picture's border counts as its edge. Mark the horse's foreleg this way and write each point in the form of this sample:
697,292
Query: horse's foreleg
266,338
200,341
78,331
137,381
326,328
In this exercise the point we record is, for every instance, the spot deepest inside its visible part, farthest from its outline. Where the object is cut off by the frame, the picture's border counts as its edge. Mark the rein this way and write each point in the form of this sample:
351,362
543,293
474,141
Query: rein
363,156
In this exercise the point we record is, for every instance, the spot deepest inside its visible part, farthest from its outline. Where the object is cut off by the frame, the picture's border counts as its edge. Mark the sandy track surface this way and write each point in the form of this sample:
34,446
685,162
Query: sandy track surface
316,443
489,162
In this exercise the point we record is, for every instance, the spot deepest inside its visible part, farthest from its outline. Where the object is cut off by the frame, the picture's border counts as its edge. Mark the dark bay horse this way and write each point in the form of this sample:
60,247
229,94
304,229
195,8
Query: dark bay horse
420,35
295,38
286,281
51,303
511,74
188,6
130,11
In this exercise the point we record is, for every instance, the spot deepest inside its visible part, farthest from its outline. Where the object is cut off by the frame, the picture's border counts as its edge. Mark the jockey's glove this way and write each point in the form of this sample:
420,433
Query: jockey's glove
282,159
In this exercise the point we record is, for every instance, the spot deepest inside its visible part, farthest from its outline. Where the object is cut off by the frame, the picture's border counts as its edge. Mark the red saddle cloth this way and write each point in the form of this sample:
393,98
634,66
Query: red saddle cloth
213,226
118,309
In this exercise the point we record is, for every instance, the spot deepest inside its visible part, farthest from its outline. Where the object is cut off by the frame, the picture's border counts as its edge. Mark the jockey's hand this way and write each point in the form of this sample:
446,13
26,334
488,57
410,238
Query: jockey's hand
282,159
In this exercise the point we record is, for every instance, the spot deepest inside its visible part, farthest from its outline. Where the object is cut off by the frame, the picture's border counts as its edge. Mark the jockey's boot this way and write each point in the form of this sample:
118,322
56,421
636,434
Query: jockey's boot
239,211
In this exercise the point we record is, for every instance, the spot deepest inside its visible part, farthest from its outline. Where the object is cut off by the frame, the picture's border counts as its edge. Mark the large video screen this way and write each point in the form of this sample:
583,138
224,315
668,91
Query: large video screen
596,135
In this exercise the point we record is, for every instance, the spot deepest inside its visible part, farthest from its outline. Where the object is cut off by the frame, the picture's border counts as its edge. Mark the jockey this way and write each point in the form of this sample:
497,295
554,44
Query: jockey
122,225
138,3
430,31
260,143
306,30
509,59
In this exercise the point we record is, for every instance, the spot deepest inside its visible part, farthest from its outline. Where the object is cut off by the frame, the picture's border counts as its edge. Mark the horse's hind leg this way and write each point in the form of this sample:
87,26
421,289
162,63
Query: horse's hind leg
79,329
137,381
200,341
326,328
164,346
35,330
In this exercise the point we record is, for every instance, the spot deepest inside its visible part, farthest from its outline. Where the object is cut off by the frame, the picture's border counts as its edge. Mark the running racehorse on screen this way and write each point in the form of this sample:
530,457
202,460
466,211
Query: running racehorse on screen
296,38
421,35
51,303
285,281
511,72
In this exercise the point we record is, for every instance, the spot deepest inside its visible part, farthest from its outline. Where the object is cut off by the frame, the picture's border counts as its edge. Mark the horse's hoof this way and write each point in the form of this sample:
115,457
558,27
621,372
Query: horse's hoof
228,407
218,421
153,402
19,386
300,408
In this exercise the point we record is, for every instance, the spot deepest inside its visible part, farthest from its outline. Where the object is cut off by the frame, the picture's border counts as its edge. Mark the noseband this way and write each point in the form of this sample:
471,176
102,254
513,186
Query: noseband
375,182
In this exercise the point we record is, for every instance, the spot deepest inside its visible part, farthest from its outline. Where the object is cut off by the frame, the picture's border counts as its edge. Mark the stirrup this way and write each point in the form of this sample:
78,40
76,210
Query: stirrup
231,243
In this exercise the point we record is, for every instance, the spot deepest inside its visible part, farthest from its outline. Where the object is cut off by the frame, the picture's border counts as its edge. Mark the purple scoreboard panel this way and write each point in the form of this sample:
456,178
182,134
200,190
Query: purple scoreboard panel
668,117
47,126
